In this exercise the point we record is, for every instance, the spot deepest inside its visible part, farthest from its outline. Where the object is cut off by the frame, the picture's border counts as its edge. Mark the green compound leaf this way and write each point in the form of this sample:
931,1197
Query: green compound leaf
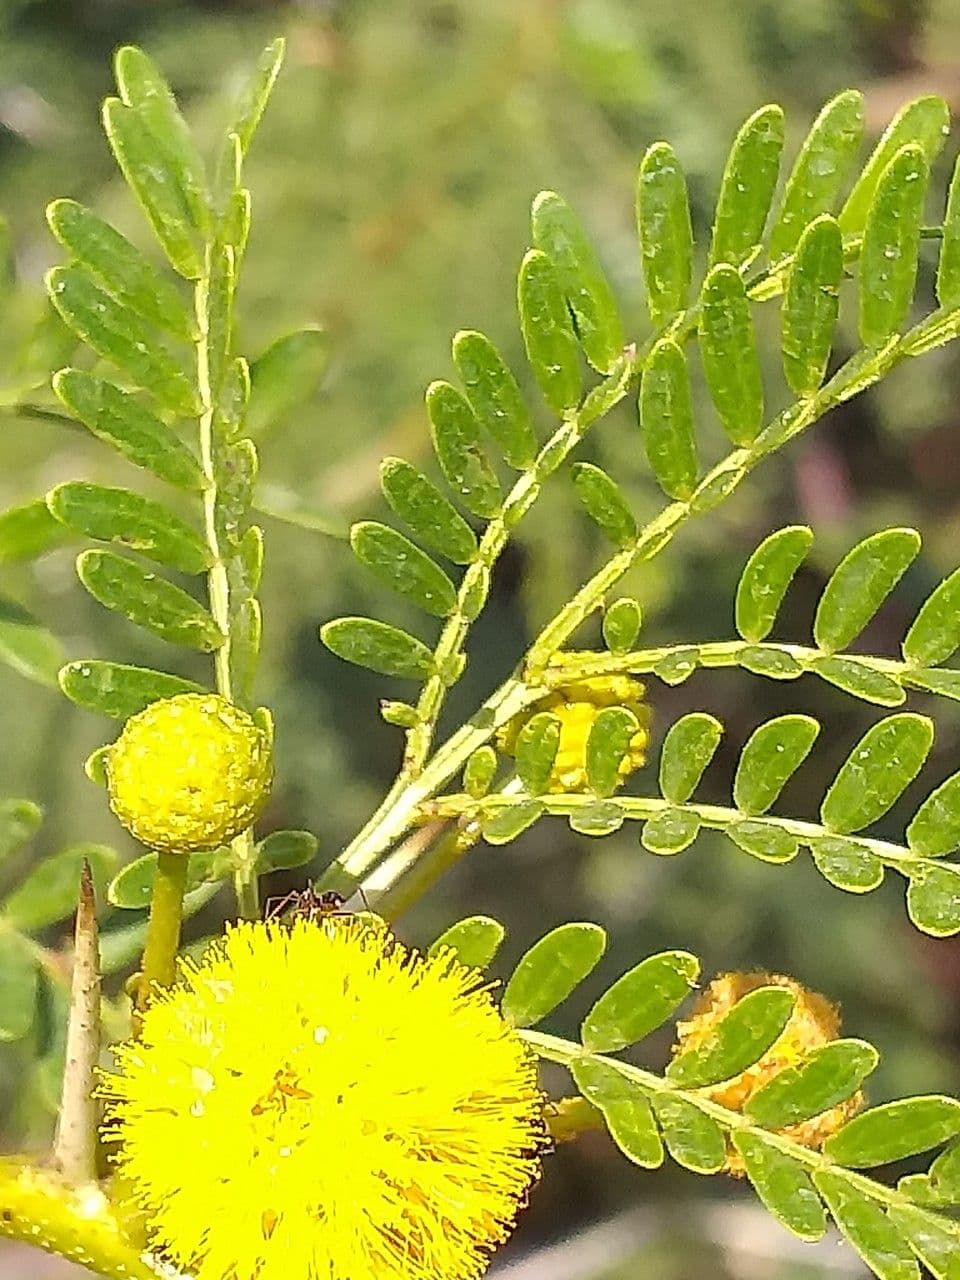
552,968
925,122
867,1227
935,633
604,503
665,233
878,769
820,169
120,267
860,584
607,745
256,93
495,397
764,840
377,646
860,680
935,829
148,601
737,1041
693,1139
728,349
456,442
557,232
670,832
26,646
894,1130
747,187
783,1185
948,268
119,691
824,1078
119,419
131,888
28,531
666,420
933,900
511,822
640,1001
625,1108
936,1247
282,850
118,515
536,750
18,984
811,306
50,891
20,820
426,512
285,376
474,941
403,567
621,624
548,333
847,864
766,577
772,755
688,748
119,336
891,244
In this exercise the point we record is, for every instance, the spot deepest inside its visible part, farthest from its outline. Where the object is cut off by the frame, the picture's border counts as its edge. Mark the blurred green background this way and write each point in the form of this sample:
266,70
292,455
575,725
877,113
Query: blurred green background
391,180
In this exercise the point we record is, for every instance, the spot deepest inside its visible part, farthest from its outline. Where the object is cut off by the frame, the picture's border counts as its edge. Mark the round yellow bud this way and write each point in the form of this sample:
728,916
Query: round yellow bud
813,1024
188,773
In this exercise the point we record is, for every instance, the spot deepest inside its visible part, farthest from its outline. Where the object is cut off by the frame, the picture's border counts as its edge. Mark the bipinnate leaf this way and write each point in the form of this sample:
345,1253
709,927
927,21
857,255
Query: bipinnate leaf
625,1108
639,1002
747,187
285,376
783,1185
891,244
118,515
19,821
847,864
741,1037
456,442
557,232
860,584
552,968
621,624
474,941
378,646
604,502
728,350
666,419
123,421
18,984
403,567
282,850
426,512
693,1138
116,690
536,750
148,601
772,755
665,233
689,746
27,646
766,578
895,1130
49,891
948,268
28,531
495,397
819,170
878,769
935,829
811,306
607,745
933,900
935,633
821,1080
548,333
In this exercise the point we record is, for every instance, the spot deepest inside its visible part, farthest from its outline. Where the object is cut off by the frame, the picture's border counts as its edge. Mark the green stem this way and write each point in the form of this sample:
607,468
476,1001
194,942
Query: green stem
159,967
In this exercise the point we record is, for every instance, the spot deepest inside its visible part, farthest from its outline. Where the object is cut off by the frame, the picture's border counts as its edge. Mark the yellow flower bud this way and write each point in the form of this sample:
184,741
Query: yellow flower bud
813,1024
188,773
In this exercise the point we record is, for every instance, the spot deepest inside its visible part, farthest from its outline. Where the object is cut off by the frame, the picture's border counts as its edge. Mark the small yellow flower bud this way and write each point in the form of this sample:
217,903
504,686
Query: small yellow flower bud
813,1023
188,773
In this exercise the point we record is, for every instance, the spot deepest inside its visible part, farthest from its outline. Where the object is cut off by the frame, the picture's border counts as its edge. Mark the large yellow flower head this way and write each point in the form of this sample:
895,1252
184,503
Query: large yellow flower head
316,1102
188,773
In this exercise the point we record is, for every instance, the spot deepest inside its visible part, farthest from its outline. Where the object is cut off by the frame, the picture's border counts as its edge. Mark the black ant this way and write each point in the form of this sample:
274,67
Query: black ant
309,904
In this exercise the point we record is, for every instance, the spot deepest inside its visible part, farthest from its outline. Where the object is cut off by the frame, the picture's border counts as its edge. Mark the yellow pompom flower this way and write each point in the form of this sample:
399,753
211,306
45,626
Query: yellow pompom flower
188,773
316,1101
813,1023
576,705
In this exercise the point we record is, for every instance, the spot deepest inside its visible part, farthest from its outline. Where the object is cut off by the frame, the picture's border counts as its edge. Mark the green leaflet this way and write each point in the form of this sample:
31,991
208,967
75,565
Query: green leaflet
548,333
495,397
772,755
879,768
728,349
766,660
738,1040
377,646
511,822
764,840
600,818
121,420
558,233
479,771
666,420
933,900
621,624
456,442
607,745
847,864
20,820
551,969
766,577
116,690
861,680
18,984
26,646
50,890
867,1227
119,336
475,941
824,1078
639,1002
948,268
935,829
935,1246
895,1130
689,746
604,502
891,244
670,832
285,376
935,633
625,1108
665,233
131,888
403,567
256,93
783,1185
811,306
819,171
148,601
860,584
118,515
426,512
28,531
536,750
120,267
693,1139
282,850
747,187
